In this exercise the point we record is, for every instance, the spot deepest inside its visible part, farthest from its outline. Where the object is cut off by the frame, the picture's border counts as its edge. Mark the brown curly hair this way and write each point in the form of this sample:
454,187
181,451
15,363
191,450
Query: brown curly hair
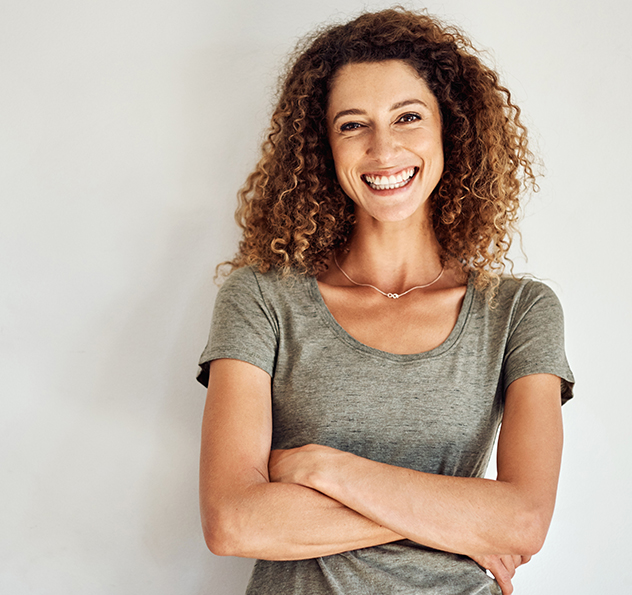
292,209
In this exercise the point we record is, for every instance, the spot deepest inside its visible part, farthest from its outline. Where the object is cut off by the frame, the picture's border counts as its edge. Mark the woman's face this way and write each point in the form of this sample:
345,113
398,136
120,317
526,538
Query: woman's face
384,128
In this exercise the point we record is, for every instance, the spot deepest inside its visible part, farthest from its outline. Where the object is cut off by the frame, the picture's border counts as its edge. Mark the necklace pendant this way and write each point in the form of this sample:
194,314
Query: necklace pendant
392,296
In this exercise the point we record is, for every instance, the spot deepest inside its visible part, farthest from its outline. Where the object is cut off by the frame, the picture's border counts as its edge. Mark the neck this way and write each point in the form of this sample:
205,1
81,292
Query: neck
392,256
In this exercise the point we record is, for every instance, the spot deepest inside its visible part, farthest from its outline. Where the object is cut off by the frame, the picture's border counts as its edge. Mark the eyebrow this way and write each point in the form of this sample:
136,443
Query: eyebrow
395,106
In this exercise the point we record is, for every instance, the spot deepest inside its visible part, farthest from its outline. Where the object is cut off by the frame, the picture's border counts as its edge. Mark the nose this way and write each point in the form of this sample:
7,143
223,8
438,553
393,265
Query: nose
383,145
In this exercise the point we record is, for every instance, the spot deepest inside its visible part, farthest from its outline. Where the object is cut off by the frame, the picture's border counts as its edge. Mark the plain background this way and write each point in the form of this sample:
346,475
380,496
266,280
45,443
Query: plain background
126,128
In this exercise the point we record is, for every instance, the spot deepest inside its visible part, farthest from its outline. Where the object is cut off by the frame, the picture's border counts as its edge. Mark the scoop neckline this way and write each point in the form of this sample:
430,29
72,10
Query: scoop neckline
343,335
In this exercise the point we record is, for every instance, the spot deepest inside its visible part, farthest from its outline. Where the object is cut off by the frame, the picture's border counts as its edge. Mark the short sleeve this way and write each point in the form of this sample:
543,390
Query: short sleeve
243,327
536,340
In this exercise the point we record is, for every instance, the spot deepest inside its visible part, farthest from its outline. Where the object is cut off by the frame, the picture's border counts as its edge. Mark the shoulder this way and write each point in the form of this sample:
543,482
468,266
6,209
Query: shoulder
241,278
270,290
523,288
524,295
518,307
514,295
251,277
247,282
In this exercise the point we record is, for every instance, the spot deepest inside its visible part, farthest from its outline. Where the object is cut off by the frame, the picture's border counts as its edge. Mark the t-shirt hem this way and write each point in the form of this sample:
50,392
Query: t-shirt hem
203,373
566,378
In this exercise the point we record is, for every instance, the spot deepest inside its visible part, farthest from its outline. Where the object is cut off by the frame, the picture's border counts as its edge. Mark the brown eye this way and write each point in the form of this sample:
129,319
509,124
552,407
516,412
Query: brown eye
412,117
349,126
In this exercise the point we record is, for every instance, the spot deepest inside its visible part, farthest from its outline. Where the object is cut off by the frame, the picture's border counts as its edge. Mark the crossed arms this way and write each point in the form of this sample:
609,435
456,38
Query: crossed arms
316,501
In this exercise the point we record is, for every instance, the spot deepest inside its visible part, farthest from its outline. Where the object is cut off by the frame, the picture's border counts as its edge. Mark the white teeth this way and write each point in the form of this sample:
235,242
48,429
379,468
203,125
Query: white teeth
390,182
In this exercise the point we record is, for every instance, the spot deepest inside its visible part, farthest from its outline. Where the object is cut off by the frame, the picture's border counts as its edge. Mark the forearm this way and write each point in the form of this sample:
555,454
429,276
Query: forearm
470,516
276,521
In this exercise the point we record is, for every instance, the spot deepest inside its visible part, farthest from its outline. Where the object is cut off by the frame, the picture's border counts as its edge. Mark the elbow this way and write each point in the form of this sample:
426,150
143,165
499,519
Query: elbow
529,534
233,525
218,544
529,543
219,534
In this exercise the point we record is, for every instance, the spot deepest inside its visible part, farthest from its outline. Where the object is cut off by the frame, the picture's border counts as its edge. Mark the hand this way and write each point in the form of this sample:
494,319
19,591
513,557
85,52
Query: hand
503,568
298,465
283,465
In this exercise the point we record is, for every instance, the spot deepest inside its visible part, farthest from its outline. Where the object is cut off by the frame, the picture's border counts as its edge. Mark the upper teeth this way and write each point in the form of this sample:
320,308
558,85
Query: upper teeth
390,182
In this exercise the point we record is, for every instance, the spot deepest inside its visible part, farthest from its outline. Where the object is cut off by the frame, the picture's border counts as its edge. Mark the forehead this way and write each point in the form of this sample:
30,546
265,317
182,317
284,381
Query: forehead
377,83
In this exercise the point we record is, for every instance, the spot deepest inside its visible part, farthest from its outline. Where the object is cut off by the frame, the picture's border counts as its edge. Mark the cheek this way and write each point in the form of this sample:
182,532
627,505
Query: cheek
344,180
440,162
434,155
342,164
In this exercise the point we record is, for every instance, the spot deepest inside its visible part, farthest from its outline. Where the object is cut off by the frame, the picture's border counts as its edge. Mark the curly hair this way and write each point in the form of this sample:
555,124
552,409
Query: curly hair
292,209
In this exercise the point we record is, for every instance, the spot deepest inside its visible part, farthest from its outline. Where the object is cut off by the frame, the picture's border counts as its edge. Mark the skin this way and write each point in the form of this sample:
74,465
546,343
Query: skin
383,130
315,501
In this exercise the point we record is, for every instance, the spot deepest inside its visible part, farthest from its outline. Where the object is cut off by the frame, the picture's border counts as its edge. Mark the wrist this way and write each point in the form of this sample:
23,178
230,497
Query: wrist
329,472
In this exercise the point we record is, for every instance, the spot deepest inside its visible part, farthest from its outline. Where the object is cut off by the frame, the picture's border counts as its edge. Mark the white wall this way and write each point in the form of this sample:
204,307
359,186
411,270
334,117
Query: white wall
126,128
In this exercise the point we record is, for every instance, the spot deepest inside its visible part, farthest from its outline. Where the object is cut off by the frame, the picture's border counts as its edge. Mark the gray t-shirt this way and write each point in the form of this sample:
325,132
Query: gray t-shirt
436,411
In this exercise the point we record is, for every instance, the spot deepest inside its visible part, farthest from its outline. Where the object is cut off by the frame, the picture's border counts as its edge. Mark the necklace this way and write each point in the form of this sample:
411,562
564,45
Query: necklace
393,296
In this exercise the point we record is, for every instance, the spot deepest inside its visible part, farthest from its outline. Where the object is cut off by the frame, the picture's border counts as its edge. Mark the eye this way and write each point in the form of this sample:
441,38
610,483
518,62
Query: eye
410,117
348,126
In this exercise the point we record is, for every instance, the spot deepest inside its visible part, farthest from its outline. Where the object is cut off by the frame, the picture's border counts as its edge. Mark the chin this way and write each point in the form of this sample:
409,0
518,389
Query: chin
392,214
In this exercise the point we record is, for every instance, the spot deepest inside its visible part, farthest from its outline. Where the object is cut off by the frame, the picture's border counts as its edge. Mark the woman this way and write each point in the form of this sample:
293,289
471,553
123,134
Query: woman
365,348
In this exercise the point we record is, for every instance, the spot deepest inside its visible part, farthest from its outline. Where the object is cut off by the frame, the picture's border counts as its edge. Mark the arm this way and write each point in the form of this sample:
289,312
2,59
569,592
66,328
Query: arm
471,516
243,514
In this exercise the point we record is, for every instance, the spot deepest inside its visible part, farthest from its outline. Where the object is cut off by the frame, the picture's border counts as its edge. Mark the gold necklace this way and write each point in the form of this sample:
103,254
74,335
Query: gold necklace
393,296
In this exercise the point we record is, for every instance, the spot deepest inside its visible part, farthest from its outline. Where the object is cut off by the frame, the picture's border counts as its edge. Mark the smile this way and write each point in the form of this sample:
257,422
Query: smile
390,182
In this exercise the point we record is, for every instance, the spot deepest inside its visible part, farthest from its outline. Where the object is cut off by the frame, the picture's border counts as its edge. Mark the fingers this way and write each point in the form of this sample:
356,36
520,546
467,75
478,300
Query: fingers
503,568
503,571
511,563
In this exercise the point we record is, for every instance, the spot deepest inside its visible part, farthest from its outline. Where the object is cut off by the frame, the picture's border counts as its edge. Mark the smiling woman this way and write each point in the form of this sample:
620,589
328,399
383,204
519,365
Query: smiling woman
365,348
384,129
